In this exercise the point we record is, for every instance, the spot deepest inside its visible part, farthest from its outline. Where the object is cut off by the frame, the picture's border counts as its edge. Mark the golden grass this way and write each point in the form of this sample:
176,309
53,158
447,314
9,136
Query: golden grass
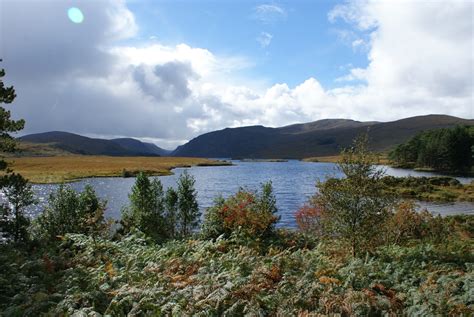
36,149
323,159
57,169
383,159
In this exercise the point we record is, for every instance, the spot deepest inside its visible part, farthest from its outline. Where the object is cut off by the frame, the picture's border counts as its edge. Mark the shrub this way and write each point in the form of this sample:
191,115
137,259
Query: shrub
127,173
355,207
251,214
407,224
308,219
71,212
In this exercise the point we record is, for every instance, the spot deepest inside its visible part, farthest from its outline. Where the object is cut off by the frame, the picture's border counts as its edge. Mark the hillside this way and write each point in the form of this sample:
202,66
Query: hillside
77,144
137,146
319,138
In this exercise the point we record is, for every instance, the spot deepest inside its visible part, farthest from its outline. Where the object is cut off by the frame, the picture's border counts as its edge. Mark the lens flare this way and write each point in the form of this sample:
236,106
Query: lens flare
75,15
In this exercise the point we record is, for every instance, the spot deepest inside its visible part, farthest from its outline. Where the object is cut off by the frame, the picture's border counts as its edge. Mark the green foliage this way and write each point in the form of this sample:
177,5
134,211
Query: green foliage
408,224
188,215
147,209
7,125
18,196
308,219
354,207
442,149
162,216
224,278
251,214
71,212
429,188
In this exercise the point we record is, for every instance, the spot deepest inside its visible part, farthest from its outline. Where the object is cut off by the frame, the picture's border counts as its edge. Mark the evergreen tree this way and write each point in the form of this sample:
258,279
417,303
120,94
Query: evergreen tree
447,150
171,206
7,125
18,195
17,191
188,214
147,209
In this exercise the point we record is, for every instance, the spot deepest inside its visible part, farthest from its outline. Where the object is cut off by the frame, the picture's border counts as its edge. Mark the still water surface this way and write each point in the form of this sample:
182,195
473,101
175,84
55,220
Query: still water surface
293,182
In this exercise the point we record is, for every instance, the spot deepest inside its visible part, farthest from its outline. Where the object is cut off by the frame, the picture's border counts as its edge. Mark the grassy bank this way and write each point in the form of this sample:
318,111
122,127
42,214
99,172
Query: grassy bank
383,159
44,170
264,160
441,188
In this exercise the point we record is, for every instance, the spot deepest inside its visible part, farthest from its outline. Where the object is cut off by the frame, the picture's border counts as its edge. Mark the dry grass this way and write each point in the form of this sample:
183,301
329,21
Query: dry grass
36,149
58,169
383,159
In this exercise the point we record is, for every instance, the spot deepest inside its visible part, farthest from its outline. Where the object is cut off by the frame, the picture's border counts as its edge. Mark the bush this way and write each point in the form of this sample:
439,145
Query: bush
71,212
251,214
356,206
308,219
407,224
127,173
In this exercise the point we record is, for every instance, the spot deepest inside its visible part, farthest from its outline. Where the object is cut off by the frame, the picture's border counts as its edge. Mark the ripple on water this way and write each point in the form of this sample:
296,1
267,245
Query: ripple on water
293,181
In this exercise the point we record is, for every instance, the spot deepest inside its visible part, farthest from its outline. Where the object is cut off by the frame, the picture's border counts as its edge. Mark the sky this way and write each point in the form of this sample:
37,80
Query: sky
168,71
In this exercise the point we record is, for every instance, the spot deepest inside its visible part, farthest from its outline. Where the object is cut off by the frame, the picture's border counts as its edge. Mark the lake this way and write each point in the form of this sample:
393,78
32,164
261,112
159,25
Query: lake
293,181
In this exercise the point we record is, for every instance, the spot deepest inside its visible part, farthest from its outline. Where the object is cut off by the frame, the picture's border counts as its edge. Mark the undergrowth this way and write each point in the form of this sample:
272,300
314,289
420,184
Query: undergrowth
223,277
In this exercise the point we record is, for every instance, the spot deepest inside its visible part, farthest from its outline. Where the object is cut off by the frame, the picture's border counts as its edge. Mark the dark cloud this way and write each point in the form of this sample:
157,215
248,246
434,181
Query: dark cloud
39,42
169,81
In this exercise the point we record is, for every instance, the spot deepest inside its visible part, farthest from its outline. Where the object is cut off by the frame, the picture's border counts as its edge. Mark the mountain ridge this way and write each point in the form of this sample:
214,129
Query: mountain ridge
324,137
319,138
78,144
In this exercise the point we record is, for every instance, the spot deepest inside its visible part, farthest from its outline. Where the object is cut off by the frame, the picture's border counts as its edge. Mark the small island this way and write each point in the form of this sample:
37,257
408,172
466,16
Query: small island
264,160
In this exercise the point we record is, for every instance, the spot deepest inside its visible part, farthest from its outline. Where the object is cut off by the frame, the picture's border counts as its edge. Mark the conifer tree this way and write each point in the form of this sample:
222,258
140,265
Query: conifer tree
188,214
18,193
147,210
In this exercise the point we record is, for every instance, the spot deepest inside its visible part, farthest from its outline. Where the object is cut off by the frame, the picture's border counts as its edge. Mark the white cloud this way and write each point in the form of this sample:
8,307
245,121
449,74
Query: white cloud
355,74
269,13
81,79
264,39
420,56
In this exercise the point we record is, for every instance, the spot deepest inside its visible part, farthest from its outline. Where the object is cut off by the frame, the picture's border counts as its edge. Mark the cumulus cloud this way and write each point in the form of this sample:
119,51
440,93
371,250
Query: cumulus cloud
423,64
87,78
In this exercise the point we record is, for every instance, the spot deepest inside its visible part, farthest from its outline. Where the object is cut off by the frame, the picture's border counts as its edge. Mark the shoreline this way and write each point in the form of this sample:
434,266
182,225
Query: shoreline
68,169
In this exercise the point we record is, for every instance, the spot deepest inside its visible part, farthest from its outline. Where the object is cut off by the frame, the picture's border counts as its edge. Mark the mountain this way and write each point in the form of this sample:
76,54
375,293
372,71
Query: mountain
319,138
78,144
137,146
